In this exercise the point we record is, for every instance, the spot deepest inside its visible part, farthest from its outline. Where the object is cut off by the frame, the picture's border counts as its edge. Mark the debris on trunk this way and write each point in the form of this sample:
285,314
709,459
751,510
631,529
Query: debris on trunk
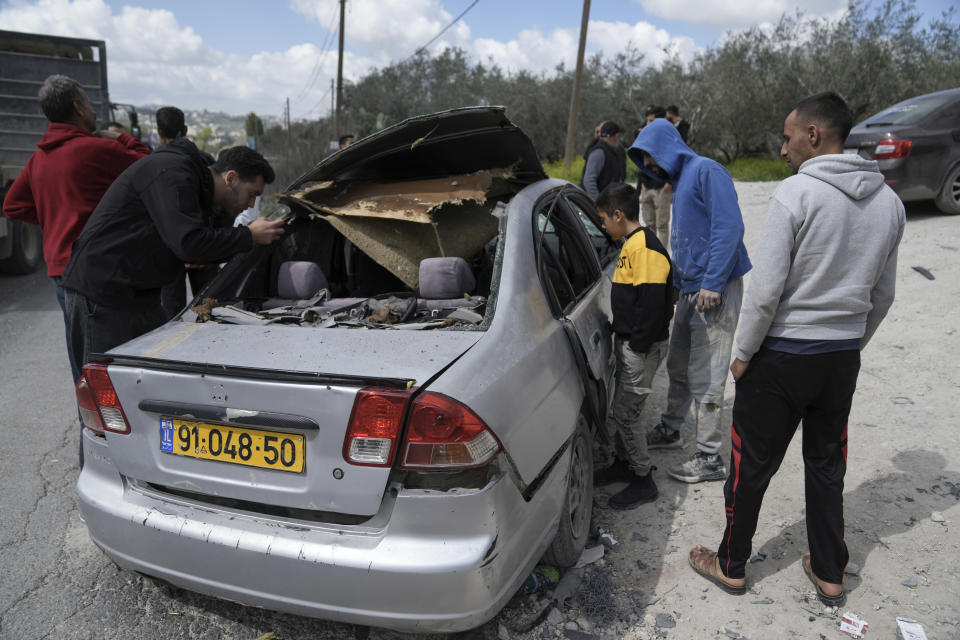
203,309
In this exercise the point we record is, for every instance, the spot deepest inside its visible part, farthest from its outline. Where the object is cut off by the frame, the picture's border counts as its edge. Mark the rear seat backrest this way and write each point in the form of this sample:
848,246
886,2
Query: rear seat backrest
445,278
296,281
300,280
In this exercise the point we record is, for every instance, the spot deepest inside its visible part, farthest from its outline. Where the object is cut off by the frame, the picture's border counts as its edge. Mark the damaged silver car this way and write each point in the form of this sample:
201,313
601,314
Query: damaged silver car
384,419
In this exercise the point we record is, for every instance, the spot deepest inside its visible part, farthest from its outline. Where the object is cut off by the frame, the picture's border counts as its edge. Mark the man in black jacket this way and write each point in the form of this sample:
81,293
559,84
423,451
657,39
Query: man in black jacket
156,217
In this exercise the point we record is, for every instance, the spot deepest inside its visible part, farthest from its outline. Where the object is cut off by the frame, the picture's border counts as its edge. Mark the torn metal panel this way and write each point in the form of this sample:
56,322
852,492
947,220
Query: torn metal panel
411,200
455,230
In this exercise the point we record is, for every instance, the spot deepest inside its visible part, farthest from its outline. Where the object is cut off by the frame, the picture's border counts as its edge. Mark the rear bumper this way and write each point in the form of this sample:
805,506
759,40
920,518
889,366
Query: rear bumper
900,174
438,562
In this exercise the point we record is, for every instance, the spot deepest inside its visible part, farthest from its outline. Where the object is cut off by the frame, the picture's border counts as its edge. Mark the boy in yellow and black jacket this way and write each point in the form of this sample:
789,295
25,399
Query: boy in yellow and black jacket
642,301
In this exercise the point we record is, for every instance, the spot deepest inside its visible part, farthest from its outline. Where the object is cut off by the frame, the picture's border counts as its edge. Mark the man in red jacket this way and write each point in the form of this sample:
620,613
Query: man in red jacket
66,177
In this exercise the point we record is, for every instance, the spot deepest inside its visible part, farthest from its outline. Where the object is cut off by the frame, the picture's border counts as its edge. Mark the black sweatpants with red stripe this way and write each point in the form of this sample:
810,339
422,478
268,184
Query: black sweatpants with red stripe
777,392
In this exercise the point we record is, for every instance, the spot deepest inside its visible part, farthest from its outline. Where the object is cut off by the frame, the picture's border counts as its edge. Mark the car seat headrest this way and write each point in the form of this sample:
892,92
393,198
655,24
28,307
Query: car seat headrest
442,278
298,280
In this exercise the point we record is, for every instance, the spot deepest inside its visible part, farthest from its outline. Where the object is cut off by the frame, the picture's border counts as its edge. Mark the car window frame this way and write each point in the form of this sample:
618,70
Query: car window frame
579,199
554,205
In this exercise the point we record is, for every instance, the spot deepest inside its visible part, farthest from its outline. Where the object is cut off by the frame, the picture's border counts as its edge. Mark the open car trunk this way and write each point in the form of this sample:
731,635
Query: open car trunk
371,215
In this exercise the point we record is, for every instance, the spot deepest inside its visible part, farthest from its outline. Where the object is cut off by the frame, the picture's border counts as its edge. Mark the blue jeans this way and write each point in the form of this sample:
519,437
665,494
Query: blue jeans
66,322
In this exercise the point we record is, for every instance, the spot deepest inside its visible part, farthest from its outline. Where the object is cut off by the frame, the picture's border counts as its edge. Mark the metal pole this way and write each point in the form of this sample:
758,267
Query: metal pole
336,120
575,98
288,127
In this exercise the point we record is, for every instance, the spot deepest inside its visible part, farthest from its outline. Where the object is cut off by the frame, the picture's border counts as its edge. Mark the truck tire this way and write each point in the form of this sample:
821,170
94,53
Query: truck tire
948,200
26,246
574,526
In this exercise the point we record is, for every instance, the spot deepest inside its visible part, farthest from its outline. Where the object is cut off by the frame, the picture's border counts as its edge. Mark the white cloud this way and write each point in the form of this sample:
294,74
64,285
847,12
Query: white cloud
155,59
657,45
387,30
531,50
734,14
136,34
152,58
534,51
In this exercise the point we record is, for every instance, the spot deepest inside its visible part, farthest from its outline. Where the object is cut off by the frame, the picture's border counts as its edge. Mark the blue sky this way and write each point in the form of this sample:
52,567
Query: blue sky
248,55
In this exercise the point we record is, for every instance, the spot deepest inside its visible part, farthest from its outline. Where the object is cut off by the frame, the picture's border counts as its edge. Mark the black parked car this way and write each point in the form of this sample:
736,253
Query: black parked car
917,144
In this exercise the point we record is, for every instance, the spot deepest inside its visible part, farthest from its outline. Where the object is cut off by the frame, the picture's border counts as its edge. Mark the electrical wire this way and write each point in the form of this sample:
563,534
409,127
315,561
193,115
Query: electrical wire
444,30
315,72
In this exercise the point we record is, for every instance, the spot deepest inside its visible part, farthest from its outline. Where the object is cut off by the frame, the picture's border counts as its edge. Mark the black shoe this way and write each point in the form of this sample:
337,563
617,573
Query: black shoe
619,471
663,437
642,489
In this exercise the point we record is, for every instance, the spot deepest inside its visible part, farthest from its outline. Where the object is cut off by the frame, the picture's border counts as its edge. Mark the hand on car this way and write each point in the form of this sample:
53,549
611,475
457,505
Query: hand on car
266,231
708,300
738,367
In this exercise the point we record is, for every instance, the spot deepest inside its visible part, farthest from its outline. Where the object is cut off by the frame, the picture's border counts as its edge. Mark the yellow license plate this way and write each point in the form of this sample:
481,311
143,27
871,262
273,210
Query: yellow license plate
236,445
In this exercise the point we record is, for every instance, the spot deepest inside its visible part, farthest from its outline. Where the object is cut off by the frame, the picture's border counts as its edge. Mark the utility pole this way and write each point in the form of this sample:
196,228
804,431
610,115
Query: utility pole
575,98
288,127
336,119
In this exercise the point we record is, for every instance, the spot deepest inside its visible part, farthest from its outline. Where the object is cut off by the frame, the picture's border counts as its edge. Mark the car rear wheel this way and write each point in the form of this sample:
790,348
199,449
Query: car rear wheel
949,199
27,244
574,526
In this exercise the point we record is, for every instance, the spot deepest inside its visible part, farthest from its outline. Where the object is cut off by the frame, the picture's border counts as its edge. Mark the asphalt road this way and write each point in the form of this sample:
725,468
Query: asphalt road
54,582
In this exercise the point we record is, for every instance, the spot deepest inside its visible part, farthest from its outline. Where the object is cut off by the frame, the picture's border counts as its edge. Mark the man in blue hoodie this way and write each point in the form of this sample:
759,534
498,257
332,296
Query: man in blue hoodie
709,258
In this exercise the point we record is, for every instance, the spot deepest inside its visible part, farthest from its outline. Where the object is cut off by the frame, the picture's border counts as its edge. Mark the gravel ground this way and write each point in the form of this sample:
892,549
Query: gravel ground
901,501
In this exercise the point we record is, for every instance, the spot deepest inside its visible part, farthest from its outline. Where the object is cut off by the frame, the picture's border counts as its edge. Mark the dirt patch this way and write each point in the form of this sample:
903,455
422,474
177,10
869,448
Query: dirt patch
902,497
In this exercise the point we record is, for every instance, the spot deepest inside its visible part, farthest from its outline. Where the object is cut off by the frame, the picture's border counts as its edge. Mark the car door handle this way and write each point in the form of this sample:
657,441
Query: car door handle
595,339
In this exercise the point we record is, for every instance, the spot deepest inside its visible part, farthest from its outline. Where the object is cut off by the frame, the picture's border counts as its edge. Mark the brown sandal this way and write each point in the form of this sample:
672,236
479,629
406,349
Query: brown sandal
705,562
830,601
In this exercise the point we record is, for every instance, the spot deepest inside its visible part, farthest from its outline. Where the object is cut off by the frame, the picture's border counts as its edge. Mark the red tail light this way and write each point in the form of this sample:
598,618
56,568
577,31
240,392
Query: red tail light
374,426
100,408
443,433
889,149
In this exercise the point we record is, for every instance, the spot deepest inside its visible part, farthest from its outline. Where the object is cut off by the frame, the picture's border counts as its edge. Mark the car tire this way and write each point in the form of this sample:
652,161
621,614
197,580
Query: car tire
27,246
948,200
575,516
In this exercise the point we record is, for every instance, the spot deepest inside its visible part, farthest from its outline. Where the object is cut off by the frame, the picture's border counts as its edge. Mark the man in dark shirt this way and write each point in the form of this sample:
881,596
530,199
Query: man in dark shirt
171,124
641,298
683,127
604,165
156,217
655,195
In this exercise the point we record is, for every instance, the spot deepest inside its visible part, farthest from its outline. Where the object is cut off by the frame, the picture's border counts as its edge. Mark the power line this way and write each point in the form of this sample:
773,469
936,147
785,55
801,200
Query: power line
315,73
444,30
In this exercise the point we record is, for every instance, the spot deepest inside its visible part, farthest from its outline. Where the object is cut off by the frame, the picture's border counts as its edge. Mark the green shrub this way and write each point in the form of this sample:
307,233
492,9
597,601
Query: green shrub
762,169
554,169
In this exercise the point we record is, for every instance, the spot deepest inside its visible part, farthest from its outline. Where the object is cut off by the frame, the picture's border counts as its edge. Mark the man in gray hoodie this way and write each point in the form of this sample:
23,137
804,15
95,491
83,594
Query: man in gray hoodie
823,279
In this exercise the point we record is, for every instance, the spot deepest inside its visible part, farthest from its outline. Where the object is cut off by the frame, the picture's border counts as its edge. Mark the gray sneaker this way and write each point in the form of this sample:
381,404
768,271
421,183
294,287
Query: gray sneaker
663,437
700,468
